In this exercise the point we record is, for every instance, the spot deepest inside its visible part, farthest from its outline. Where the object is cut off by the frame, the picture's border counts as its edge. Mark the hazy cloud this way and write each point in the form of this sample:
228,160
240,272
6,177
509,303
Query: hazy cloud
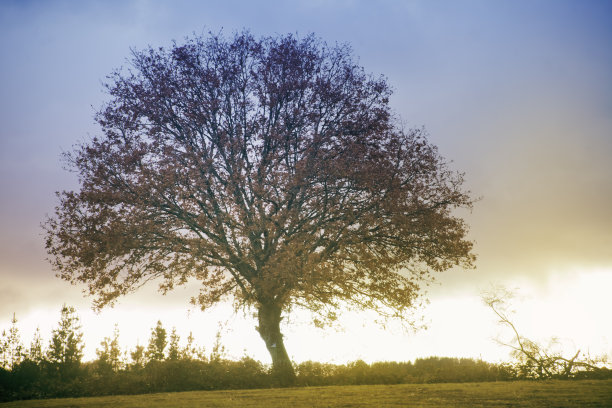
517,94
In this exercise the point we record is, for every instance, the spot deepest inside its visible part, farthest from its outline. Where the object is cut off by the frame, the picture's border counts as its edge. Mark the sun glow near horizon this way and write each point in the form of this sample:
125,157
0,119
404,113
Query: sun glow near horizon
571,305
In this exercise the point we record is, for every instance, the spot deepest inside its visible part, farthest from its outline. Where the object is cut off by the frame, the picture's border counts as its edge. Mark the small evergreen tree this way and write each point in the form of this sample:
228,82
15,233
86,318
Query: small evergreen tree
11,348
218,350
138,357
66,347
190,351
174,352
157,343
109,356
3,361
36,353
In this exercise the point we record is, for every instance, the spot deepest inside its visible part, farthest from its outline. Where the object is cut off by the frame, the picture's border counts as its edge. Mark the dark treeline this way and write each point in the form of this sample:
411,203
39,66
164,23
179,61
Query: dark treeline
165,366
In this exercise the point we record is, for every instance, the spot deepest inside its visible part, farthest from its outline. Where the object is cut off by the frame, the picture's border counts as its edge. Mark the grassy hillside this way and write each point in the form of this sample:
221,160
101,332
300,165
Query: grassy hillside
579,394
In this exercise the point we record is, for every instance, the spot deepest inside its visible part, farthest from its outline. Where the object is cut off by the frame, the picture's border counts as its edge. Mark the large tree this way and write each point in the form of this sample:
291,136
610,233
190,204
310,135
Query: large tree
271,170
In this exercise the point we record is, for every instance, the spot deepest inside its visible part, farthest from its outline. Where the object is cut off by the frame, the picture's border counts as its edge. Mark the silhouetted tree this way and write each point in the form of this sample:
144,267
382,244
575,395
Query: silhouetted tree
11,347
174,351
66,346
138,356
218,349
36,352
157,343
190,351
271,170
109,355
533,359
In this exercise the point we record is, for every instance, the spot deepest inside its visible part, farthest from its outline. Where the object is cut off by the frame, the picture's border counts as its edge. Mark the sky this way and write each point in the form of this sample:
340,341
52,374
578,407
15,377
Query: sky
518,95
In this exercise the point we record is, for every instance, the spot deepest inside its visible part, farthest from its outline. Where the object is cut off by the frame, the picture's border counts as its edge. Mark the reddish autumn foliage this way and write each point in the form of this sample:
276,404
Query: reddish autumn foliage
272,170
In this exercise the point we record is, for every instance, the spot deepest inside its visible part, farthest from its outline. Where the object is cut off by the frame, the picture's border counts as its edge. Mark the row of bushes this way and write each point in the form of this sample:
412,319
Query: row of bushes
429,370
30,380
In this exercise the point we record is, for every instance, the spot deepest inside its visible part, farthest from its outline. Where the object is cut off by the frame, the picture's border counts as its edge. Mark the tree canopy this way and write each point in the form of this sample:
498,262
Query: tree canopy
272,170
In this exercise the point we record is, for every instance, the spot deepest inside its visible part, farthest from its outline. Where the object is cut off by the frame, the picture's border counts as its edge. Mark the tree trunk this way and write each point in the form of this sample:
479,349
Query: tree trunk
269,329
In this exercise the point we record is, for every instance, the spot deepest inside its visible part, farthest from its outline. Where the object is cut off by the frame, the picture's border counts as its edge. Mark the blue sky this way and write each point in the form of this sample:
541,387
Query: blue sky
518,94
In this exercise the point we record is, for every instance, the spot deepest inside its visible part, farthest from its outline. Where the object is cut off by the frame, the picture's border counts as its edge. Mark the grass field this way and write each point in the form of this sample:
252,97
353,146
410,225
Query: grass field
579,394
